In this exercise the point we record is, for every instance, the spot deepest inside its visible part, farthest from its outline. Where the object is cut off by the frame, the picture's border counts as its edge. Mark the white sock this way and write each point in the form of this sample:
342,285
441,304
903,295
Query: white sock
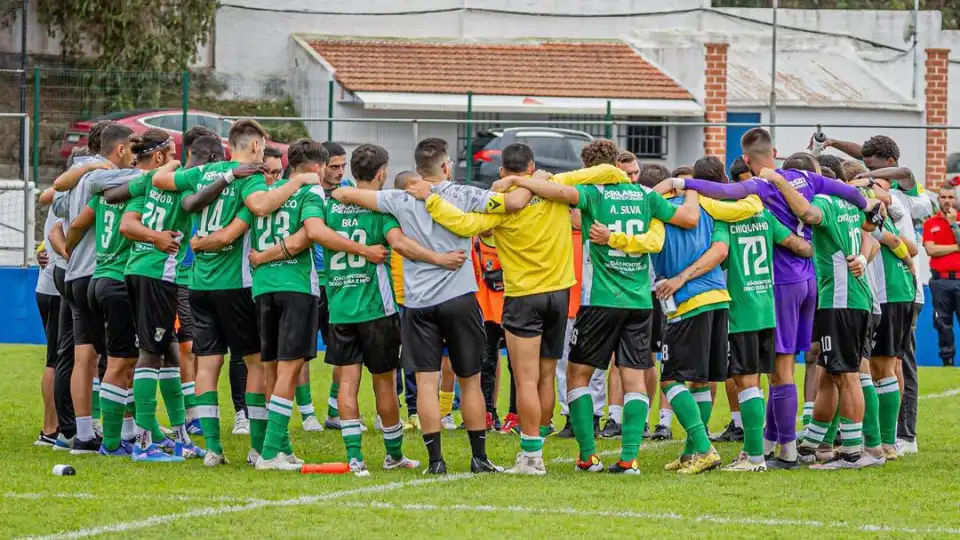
129,429
84,428
769,446
666,417
616,413
736,419
180,434
788,451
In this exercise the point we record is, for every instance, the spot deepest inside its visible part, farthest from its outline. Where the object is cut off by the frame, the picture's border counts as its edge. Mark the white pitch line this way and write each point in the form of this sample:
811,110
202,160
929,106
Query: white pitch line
764,522
171,497
219,510
941,395
647,446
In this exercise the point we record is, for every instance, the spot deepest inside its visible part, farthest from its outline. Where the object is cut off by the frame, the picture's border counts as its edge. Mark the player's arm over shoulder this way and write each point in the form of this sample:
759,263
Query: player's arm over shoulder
782,236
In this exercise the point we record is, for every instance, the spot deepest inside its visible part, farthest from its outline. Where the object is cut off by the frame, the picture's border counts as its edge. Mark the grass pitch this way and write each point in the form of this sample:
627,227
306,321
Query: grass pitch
914,496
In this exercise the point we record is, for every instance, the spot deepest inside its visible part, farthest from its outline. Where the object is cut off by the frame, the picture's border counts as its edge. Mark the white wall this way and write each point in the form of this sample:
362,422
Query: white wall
793,139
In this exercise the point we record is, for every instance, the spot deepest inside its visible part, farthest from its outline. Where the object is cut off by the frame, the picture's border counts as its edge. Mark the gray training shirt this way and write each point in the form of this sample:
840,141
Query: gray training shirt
424,284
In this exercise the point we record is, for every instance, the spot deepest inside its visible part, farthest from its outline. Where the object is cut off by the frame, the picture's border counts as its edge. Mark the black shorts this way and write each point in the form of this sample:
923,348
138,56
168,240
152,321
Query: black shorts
842,332
87,321
695,349
113,302
287,323
49,306
752,353
323,316
656,324
225,319
543,315
184,315
375,344
154,304
866,346
891,334
602,331
456,324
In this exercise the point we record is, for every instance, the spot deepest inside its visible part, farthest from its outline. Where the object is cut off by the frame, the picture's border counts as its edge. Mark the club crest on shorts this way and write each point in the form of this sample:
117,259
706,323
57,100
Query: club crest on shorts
158,334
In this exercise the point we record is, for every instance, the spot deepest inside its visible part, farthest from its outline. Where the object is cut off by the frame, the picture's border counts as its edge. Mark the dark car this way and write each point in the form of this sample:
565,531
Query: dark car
555,150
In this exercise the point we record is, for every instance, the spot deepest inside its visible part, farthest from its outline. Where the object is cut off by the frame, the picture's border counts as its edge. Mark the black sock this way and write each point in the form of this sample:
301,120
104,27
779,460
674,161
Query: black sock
478,443
432,441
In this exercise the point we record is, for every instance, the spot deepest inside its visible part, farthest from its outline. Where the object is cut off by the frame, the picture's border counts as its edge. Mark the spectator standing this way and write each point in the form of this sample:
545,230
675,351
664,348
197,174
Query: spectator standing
941,236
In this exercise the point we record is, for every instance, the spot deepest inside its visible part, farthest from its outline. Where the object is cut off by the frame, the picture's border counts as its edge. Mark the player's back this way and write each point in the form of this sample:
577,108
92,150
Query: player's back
835,238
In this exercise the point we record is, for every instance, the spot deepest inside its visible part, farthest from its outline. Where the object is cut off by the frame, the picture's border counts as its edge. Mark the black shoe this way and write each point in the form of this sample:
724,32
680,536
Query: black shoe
596,427
86,447
484,465
46,440
437,467
567,431
611,430
662,433
496,422
770,457
731,434
780,464
837,440
646,431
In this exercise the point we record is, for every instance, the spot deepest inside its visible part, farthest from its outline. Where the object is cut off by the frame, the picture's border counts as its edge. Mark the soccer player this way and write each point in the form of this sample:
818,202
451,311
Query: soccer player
843,308
537,255
794,281
87,324
225,316
364,318
615,309
108,292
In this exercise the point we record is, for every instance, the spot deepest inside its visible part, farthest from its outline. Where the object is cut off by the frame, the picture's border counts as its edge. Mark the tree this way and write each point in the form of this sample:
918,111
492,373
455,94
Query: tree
949,9
130,35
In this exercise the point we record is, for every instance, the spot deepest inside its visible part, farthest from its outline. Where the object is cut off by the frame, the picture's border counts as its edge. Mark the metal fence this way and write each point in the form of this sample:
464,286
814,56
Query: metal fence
62,101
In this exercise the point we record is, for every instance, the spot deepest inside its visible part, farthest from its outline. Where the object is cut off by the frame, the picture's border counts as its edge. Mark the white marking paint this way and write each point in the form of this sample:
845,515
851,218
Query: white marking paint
165,497
941,395
653,516
220,510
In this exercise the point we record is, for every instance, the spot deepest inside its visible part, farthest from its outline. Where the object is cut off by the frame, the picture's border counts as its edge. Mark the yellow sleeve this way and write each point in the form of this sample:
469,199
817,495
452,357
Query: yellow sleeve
600,174
732,211
648,242
459,222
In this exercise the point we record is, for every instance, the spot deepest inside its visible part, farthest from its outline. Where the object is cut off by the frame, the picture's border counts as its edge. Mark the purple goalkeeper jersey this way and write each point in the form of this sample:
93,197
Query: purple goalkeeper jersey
787,266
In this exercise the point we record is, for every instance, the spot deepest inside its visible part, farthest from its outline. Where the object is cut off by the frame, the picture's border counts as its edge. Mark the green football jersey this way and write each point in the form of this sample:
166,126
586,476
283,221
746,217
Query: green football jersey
750,271
358,290
159,210
834,239
895,282
290,275
113,248
612,278
228,267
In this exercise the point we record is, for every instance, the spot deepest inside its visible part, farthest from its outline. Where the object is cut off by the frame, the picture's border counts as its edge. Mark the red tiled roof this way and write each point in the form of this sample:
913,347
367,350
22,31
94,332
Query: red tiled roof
609,69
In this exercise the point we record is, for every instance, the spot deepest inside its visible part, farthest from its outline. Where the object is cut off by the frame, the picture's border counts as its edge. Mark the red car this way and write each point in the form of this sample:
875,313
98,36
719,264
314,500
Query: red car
169,120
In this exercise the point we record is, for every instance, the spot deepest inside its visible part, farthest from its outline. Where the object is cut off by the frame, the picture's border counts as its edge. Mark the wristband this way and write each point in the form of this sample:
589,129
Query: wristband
877,234
901,251
283,247
862,259
229,177
678,184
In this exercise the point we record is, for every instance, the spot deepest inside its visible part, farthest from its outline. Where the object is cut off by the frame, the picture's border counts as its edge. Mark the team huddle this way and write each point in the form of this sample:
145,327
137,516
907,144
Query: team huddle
165,268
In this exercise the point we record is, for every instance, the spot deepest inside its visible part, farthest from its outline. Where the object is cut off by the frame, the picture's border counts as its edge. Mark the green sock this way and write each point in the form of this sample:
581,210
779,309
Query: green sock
831,433
581,416
286,447
871,412
278,424
752,411
131,409
257,414
816,432
544,431
689,416
304,401
393,440
352,438
888,394
113,406
635,408
851,434
145,382
172,392
531,446
95,400
190,399
208,412
332,411
807,413
705,406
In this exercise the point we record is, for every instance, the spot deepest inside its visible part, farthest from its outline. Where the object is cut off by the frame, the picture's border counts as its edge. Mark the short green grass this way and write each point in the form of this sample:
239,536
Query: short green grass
915,496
